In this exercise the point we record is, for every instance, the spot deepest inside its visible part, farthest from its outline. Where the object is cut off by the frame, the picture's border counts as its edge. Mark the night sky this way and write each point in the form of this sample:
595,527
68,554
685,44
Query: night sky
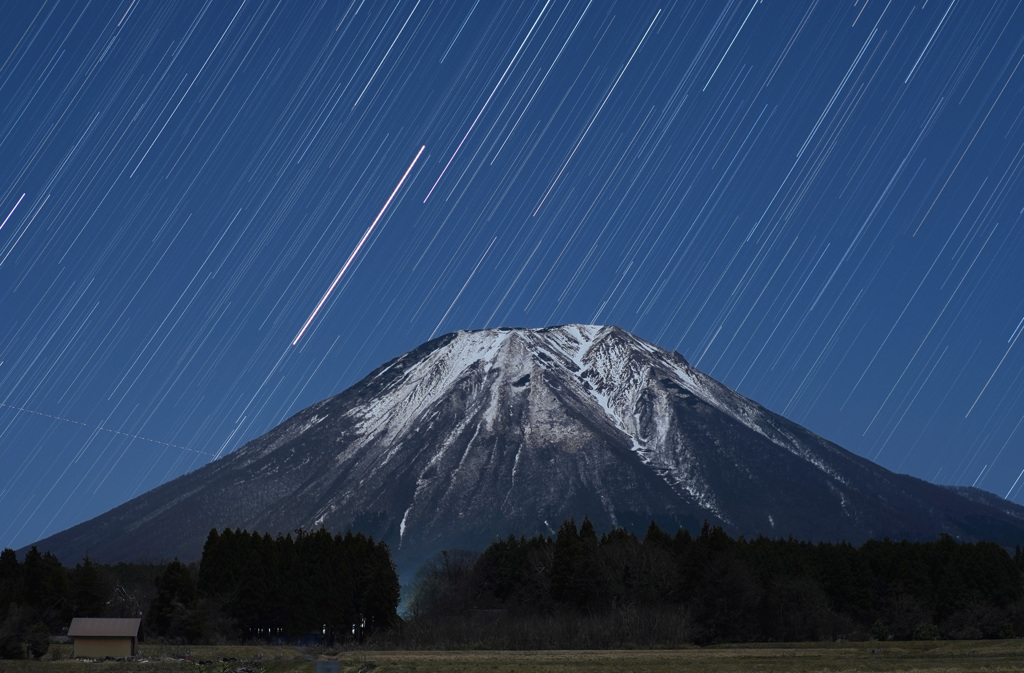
818,203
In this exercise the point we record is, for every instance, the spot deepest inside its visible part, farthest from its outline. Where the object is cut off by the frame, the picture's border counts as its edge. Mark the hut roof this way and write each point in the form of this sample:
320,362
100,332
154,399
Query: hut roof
103,626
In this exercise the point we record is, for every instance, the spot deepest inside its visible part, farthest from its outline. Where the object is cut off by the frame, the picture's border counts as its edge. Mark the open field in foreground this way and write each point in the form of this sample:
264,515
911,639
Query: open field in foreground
1002,655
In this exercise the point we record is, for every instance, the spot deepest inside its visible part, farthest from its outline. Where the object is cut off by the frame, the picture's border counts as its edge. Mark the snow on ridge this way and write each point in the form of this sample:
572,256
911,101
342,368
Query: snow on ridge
722,398
580,337
619,380
280,436
616,382
699,492
619,367
401,526
425,381
316,419
750,414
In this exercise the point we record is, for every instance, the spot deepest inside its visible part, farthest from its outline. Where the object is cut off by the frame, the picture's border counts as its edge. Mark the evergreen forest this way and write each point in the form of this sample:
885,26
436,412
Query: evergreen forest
575,590
311,587
579,590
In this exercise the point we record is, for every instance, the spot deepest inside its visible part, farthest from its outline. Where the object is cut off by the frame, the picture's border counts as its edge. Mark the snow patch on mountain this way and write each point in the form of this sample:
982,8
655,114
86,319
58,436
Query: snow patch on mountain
314,420
426,381
628,381
496,431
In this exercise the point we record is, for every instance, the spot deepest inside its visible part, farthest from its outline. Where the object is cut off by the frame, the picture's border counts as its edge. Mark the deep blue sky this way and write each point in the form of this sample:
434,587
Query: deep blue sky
818,203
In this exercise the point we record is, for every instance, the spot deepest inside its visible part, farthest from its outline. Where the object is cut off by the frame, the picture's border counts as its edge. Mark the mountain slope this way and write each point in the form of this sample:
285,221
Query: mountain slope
485,433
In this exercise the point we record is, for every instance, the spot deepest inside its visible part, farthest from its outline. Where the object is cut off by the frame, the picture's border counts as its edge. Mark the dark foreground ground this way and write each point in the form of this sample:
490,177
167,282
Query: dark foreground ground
941,656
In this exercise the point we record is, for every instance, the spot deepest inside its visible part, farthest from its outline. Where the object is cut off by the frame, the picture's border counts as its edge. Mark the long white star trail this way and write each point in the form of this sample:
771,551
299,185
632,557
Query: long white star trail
12,211
487,102
821,205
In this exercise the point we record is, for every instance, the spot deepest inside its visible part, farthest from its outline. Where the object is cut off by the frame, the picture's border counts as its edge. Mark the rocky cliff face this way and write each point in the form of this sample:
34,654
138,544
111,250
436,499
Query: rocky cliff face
482,434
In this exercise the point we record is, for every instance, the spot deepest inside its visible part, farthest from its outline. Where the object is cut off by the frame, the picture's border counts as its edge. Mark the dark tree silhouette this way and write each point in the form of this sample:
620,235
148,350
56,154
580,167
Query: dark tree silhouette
173,613
90,590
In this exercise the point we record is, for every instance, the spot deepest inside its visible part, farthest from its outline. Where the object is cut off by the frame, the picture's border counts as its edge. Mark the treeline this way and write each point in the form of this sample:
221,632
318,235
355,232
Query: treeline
579,590
247,586
39,596
338,587
575,590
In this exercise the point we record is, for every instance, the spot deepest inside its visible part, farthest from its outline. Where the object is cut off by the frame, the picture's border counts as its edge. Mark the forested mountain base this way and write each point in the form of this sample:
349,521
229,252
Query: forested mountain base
334,588
573,591
247,587
581,591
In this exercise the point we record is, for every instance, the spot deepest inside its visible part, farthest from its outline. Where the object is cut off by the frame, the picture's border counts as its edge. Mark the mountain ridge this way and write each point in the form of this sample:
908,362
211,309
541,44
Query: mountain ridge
480,434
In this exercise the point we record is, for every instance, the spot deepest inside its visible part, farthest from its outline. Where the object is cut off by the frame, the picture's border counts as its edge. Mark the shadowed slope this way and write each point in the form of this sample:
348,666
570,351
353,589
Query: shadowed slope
481,434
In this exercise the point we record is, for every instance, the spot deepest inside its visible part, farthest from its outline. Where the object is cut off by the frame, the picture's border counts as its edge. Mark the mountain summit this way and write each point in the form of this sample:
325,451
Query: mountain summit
481,434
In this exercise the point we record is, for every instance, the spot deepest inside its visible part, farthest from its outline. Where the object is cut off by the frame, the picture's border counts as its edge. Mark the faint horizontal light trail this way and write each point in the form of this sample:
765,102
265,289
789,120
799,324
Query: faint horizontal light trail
100,427
167,300
355,252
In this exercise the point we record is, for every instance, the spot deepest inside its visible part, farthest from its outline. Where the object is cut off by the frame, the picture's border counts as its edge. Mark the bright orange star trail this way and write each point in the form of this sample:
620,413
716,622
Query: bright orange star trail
355,251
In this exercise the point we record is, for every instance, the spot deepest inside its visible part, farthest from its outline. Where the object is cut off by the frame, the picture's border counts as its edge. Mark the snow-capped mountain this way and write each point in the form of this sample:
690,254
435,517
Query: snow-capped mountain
476,435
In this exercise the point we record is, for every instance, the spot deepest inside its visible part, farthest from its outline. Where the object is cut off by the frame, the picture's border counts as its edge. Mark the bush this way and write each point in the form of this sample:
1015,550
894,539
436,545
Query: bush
38,640
11,646
926,631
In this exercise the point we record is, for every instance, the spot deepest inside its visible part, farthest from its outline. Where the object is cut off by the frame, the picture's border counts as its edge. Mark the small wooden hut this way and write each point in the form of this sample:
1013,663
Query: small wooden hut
97,638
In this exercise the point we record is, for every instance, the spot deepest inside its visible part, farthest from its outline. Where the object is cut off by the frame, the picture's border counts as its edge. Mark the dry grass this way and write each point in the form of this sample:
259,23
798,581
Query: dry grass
944,657
939,657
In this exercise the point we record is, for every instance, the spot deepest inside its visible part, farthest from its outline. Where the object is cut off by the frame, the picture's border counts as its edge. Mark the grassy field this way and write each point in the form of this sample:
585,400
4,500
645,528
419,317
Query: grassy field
941,656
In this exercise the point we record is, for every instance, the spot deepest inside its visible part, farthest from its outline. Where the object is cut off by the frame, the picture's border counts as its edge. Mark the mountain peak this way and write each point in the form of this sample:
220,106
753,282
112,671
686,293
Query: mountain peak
486,433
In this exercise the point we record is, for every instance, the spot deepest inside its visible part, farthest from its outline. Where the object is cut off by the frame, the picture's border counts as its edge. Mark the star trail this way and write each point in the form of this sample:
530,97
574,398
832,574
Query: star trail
820,204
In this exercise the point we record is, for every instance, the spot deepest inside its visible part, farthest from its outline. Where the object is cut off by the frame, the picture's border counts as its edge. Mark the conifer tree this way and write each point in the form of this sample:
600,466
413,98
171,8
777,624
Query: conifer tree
567,552
89,589
380,593
656,536
11,584
174,612
46,589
